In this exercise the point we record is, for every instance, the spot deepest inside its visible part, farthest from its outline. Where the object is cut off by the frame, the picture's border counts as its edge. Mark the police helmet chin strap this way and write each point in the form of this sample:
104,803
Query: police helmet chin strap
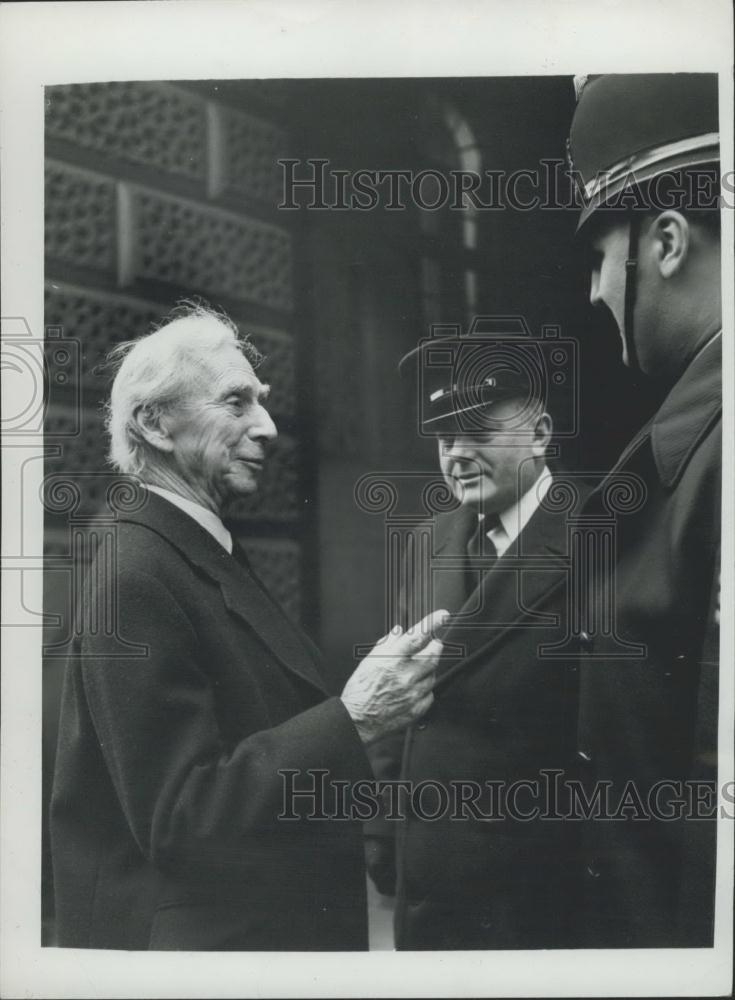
631,275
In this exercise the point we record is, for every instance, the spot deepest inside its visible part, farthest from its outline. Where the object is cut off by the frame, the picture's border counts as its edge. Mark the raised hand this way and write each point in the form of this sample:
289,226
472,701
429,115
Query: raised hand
393,685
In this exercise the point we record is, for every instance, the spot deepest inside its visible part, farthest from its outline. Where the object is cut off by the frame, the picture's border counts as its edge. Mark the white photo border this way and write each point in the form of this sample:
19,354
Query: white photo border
51,43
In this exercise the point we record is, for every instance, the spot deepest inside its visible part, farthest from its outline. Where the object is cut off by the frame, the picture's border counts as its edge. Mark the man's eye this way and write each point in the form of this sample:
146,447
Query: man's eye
235,403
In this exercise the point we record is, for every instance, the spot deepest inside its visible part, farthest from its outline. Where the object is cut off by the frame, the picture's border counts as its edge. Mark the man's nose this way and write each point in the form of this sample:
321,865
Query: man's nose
263,427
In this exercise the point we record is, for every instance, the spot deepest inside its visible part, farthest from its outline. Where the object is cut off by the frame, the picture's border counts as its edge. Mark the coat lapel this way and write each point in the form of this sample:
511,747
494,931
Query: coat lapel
450,549
509,592
246,597
242,592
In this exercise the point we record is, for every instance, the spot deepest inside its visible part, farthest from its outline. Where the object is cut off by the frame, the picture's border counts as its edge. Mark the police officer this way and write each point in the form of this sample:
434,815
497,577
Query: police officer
645,152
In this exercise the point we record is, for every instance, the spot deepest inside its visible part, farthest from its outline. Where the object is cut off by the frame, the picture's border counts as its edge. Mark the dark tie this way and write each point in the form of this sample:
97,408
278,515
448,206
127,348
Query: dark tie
481,552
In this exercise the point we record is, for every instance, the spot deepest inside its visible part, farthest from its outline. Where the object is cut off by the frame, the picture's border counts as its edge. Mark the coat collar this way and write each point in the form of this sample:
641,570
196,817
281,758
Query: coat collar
202,515
687,413
242,592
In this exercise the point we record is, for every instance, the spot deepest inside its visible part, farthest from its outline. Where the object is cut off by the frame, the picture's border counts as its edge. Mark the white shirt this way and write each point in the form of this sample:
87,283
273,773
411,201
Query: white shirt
202,515
515,518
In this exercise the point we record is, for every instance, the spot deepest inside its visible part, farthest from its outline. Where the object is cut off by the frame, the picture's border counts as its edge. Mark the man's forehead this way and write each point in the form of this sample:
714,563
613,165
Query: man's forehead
232,366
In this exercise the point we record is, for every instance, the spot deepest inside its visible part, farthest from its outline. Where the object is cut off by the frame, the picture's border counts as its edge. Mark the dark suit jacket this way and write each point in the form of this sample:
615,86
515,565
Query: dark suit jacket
164,814
650,883
501,713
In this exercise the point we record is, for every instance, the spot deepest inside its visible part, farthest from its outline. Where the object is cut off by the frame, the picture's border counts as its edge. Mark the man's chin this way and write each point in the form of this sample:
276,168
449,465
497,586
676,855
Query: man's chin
239,489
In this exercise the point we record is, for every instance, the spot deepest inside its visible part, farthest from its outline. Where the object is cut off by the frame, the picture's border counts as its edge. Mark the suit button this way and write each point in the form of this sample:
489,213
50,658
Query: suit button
680,661
594,868
422,725
586,641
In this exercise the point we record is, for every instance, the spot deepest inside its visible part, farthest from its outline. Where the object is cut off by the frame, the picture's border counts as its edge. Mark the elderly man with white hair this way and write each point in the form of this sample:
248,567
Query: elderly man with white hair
168,802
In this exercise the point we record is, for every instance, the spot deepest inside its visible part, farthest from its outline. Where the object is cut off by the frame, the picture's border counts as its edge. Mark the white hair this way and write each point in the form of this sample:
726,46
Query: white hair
161,370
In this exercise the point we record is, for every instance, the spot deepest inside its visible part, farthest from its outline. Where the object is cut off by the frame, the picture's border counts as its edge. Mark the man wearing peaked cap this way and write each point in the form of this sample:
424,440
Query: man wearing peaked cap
501,712
645,151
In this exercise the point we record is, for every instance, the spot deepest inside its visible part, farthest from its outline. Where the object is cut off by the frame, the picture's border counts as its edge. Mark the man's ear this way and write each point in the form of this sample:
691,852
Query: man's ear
152,427
542,432
671,236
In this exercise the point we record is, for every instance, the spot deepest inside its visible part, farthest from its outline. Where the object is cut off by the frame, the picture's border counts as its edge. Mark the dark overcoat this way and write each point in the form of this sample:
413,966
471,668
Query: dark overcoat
648,880
503,713
165,809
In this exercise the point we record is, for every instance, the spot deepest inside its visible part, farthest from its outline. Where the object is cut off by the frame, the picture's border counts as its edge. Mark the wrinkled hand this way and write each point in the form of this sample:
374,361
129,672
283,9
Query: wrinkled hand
392,686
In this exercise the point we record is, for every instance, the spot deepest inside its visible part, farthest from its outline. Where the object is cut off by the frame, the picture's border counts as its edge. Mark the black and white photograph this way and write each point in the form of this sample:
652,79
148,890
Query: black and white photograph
366,558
